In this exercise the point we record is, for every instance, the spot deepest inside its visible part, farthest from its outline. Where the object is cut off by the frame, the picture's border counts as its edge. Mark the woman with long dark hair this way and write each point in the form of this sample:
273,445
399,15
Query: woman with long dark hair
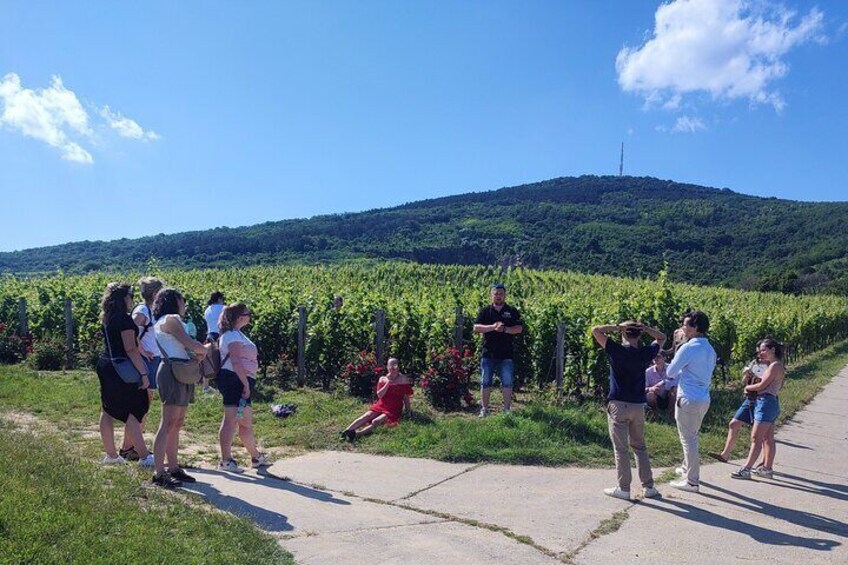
120,400
175,344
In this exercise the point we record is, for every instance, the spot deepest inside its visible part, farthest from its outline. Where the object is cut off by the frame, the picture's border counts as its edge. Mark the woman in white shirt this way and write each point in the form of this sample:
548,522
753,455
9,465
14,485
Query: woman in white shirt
173,340
212,314
236,383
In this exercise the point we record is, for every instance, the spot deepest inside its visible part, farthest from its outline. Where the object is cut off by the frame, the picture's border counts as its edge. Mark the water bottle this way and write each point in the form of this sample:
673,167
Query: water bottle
240,411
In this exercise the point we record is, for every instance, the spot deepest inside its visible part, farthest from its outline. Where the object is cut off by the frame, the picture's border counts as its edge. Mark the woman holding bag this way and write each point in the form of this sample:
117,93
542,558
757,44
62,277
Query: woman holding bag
120,399
176,347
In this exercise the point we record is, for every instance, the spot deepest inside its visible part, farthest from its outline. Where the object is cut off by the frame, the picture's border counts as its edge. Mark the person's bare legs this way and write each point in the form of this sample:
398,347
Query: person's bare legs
245,431
107,434
485,393
173,438
132,431
227,431
378,421
361,421
732,435
507,395
758,437
769,450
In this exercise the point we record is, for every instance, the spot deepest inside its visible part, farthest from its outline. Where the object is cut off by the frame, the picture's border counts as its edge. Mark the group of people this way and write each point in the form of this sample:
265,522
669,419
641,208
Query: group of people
155,335
151,337
685,384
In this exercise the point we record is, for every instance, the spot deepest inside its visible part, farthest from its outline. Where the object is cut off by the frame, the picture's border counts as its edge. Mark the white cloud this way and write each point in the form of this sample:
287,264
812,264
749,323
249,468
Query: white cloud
48,114
685,124
55,116
125,126
729,49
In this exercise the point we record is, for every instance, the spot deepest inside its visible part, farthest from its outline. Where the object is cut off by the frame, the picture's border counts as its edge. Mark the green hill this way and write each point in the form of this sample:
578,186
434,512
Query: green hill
609,225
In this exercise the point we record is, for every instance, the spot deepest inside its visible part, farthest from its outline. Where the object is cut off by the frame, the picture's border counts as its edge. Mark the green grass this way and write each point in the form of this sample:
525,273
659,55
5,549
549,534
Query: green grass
58,506
535,433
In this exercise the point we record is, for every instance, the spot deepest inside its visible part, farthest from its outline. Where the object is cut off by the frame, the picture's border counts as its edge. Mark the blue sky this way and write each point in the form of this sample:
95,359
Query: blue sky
130,119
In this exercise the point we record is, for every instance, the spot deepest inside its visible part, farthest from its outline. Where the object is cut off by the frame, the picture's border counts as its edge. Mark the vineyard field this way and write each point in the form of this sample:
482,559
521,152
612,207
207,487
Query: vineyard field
420,304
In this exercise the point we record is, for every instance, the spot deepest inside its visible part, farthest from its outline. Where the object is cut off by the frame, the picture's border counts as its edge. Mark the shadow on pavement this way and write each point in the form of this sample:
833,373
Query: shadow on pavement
759,534
797,517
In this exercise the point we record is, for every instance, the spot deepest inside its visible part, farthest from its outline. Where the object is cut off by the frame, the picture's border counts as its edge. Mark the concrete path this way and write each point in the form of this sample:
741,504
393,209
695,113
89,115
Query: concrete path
341,507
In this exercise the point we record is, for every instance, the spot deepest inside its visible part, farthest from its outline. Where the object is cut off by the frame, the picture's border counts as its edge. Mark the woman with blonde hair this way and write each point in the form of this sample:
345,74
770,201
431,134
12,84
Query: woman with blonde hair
176,345
236,383
120,400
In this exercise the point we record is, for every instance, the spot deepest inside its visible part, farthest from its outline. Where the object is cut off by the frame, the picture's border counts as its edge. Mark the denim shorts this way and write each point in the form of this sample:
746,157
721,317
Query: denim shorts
503,367
766,408
152,367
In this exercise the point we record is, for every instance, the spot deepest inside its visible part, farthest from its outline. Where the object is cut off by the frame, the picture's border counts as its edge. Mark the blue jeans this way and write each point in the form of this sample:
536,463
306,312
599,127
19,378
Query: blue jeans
152,367
765,409
503,367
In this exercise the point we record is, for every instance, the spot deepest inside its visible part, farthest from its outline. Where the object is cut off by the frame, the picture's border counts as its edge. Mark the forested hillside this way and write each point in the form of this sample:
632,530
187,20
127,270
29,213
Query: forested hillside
607,225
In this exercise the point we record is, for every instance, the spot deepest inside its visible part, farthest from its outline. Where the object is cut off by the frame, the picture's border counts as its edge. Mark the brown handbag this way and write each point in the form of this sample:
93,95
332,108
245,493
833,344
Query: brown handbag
185,371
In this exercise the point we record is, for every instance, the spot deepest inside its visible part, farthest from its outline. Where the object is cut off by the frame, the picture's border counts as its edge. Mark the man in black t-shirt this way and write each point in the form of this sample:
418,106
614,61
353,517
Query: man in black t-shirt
626,408
498,322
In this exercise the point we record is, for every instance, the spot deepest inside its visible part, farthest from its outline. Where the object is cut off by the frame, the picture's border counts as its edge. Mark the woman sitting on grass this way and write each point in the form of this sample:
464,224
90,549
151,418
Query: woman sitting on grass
236,383
393,398
126,402
766,408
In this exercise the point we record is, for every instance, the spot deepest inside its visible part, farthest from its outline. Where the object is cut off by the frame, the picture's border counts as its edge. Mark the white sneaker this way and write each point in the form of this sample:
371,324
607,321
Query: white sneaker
117,460
262,461
147,462
230,466
506,410
617,492
679,471
685,486
483,413
763,472
651,492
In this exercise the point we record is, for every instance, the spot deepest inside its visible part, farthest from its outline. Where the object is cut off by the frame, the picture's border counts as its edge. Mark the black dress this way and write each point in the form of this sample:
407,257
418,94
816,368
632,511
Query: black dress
119,399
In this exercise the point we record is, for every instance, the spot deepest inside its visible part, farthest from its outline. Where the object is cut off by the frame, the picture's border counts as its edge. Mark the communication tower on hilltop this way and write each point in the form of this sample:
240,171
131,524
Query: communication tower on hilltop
621,162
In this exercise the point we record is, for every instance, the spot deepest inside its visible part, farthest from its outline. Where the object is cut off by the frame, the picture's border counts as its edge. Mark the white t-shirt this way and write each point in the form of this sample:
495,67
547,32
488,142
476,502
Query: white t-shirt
211,315
173,348
148,340
235,336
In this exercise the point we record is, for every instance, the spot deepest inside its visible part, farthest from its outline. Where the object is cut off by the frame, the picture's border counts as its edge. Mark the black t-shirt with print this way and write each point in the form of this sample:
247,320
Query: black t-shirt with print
498,345
117,324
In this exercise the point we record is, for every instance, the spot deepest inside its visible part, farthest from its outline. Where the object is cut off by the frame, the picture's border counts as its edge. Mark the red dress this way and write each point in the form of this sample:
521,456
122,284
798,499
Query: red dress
392,403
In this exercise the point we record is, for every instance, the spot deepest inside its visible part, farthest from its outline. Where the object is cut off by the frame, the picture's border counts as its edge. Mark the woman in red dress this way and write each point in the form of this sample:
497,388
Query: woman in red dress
393,394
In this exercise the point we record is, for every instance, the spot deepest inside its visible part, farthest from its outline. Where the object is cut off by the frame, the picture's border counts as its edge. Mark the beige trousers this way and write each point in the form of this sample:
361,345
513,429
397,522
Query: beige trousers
627,429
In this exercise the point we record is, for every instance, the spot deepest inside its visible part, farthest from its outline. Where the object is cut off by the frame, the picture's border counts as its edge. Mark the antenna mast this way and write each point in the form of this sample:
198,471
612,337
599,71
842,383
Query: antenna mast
621,163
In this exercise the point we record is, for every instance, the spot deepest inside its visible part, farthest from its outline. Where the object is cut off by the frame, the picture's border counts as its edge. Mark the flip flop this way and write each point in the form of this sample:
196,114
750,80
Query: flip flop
718,457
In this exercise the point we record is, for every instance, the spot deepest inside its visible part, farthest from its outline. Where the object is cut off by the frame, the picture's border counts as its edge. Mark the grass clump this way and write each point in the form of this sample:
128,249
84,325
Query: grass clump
58,507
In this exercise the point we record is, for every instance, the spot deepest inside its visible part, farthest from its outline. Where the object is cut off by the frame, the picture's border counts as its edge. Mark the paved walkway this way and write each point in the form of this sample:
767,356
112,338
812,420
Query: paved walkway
341,507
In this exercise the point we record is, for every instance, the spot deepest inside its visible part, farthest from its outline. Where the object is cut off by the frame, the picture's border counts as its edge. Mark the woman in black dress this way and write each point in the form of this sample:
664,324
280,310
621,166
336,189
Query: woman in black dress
125,402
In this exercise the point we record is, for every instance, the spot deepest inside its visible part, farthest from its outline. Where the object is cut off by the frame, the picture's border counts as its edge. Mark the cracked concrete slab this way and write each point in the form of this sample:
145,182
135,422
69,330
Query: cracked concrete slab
447,543
368,476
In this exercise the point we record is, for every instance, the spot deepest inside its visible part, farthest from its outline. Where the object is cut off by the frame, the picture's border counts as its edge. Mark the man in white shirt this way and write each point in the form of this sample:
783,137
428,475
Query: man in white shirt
691,371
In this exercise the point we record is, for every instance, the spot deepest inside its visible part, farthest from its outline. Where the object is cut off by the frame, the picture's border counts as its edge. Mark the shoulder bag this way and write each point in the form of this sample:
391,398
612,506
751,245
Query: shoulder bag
123,366
185,371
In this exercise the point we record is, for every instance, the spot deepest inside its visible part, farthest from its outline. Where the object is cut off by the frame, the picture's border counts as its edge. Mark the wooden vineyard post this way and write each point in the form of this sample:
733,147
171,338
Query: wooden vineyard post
69,334
457,329
560,358
301,345
380,336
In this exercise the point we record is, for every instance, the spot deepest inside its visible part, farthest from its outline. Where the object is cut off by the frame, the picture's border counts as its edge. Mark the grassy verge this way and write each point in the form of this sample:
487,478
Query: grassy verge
535,433
58,506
